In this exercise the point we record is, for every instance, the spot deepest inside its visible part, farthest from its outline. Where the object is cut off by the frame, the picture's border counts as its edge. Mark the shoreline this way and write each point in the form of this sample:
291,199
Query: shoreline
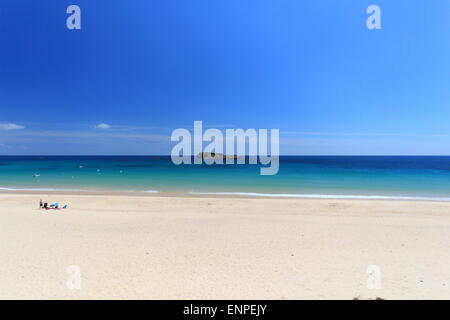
225,195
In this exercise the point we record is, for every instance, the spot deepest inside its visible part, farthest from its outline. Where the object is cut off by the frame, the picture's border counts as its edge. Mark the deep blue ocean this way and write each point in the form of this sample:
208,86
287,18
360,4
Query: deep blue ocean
298,176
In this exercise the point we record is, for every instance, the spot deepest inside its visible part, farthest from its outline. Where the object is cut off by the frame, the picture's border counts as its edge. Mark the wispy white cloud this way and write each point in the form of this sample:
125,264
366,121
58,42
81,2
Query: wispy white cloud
10,126
103,126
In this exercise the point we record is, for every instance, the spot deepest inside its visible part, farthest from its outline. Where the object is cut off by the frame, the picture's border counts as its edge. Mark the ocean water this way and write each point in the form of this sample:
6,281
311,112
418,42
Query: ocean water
299,176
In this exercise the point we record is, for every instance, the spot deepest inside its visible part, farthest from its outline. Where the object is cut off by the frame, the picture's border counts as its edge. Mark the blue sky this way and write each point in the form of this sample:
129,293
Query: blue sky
143,68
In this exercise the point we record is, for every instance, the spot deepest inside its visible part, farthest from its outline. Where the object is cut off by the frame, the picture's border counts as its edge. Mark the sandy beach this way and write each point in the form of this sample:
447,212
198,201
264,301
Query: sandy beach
157,247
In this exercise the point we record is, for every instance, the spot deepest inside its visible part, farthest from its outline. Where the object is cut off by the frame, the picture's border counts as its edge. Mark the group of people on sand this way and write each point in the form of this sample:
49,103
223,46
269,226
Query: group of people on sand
54,206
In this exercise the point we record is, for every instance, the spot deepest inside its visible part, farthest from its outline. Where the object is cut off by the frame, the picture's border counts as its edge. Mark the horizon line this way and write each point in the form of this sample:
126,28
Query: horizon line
165,155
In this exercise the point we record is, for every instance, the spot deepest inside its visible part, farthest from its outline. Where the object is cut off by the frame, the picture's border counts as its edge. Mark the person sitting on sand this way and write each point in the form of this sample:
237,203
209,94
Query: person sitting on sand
52,206
40,204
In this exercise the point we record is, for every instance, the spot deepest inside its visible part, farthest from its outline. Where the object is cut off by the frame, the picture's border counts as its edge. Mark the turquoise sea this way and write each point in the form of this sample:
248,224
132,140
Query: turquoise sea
298,176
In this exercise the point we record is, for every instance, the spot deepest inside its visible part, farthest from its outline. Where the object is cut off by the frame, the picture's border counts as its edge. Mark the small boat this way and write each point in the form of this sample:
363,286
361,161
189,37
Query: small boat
36,175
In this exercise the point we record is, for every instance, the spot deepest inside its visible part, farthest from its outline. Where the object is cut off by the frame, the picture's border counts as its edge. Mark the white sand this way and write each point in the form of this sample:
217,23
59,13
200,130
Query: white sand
221,248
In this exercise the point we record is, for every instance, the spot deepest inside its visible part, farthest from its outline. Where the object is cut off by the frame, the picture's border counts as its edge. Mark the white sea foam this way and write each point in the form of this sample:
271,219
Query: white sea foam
257,194
322,196
36,189
72,190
